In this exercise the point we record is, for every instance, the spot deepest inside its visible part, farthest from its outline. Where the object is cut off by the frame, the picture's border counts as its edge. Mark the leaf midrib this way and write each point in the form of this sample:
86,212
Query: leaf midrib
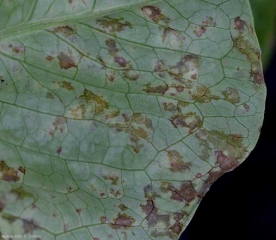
25,28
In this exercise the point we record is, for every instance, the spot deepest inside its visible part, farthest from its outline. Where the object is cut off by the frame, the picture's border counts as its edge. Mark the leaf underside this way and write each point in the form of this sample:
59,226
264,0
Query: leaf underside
117,116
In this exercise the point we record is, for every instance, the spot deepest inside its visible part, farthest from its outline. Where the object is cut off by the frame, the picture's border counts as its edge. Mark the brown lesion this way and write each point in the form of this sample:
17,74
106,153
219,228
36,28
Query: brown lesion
190,120
50,95
161,89
115,193
199,31
9,218
22,193
22,170
188,63
66,61
185,193
79,111
67,85
213,175
245,47
155,14
177,163
113,25
239,24
231,95
111,45
153,217
149,193
226,163
113,179
209,22
135,140
123,221
161,68
122,207
204,95
173,37
169,106
142,119
131,75
9,174
113,51
49,58
29,226
58,125
18,48
65,30
101,104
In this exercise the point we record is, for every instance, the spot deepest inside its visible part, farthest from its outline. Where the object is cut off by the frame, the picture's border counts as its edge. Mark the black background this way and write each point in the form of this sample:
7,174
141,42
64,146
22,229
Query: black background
241,205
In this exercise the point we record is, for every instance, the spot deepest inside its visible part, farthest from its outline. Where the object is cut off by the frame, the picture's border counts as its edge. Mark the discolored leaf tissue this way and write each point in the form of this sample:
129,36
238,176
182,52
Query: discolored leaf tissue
117,116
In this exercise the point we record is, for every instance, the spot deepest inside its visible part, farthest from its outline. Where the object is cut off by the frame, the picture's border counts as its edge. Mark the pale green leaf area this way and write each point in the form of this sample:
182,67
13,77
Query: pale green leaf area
117,116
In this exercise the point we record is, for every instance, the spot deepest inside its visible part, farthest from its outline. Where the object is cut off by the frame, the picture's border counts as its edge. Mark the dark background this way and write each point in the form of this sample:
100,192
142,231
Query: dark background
241,205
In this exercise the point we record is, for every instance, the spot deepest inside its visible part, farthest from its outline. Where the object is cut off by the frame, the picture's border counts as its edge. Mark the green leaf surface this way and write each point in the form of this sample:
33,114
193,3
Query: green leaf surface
265,23
117,116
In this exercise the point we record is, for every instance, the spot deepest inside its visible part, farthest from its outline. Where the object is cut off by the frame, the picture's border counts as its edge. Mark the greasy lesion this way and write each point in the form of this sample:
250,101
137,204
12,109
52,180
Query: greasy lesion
228,151
170,107
65,84
177,163
113,25
65,31
8,217
201,29
243,43
17,48
189,64
112,179
209,22
123,221
225,162
100,103
122,207
231,143
66,61
135,140
231,95
8,174
185,193
141,127
29,226
131,75
161,89
50,95
183,71
115,193
204,95
172,37
155,14
240,24
78,112
142,119
162,223
59,125
153,216
190,120
22,193
113,51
